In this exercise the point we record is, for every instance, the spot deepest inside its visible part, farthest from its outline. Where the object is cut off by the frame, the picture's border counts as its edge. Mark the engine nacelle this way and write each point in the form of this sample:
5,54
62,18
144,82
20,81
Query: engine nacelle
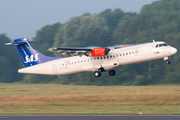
124,46
99,51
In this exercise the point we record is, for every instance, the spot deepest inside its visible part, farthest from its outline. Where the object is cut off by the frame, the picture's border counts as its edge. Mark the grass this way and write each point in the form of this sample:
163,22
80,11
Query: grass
91,110
71,99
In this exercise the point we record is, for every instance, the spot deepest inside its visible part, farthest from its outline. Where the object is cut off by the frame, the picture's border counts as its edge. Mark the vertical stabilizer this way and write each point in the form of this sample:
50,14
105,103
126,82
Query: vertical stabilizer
29,55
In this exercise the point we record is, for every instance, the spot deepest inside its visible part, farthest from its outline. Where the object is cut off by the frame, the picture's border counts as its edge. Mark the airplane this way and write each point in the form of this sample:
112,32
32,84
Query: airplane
89,59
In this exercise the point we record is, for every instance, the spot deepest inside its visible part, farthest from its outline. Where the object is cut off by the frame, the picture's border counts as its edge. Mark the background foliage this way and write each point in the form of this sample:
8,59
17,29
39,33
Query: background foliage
159,20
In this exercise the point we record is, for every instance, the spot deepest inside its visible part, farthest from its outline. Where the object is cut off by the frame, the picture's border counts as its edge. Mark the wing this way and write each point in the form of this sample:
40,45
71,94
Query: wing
81,51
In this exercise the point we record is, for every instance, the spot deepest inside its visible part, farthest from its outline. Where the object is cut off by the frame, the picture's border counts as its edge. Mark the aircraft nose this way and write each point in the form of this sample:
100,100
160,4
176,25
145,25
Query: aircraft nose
173,50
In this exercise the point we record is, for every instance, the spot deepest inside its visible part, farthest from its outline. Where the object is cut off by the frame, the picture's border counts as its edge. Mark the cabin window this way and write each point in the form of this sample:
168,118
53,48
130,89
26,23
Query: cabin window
62,64
110,56
78,61
113,55
132,52
123,54
94,58
107,56
126,53
97,58
72,63
84,60
156,45
101,58
120,54
104,57
160,45
81,61
129,53
75,62
68,63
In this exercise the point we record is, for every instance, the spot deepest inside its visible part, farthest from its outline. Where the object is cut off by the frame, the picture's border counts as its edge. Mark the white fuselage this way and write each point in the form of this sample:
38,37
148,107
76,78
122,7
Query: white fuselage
115,59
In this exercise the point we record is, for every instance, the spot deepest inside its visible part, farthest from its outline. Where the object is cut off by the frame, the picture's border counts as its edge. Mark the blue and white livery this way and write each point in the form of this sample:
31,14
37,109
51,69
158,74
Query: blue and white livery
90,59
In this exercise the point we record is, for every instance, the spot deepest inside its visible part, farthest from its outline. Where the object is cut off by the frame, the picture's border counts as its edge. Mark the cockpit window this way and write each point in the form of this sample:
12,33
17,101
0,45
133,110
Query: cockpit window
161,45
164,44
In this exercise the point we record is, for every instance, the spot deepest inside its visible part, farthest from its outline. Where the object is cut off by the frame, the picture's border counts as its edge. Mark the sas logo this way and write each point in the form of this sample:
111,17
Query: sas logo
30,59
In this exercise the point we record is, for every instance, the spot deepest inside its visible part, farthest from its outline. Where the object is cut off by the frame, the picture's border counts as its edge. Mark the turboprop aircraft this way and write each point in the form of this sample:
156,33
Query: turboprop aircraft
89,59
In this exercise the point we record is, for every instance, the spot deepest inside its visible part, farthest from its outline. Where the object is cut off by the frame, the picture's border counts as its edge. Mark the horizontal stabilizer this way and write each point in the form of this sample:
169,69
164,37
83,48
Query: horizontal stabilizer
13,43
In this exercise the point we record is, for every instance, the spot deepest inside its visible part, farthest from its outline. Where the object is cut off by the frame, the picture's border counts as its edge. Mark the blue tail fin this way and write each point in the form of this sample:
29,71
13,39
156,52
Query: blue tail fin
29,55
